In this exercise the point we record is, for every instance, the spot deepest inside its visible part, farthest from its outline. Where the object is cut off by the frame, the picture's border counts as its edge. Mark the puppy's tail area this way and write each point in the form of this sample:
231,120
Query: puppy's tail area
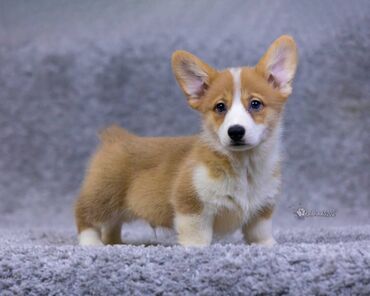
113,134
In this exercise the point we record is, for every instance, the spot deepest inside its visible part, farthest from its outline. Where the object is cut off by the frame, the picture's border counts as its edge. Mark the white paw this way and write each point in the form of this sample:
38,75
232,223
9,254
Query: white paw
194,243
90,237
267,242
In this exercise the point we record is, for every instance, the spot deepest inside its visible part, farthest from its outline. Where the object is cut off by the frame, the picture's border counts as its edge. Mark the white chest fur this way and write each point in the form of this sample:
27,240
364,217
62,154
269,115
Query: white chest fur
238,197
224,192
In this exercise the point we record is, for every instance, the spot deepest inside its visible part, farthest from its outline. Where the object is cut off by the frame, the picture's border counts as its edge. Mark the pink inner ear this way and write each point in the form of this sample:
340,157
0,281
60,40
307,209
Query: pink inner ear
196,86
279,72
271,79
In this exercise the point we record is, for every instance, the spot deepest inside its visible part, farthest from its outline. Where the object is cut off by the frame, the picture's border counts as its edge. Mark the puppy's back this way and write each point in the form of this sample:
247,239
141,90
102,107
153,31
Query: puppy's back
113,134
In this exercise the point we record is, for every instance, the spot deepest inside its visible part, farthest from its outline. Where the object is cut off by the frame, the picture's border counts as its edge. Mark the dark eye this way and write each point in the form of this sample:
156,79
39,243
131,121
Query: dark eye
220,108
256,105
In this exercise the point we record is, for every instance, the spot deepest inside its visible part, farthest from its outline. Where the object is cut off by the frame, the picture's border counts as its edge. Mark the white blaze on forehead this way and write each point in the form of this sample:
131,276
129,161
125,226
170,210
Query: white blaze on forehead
239,115
236,74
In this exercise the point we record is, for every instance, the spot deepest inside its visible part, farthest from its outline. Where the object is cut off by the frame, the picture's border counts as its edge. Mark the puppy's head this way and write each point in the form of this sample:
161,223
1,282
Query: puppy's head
240,106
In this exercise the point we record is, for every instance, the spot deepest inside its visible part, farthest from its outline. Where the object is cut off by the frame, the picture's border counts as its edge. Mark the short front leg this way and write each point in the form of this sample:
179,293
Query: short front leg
194,230
259,229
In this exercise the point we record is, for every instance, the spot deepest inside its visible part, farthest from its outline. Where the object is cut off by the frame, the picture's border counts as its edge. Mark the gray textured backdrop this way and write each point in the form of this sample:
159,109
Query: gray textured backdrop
67,69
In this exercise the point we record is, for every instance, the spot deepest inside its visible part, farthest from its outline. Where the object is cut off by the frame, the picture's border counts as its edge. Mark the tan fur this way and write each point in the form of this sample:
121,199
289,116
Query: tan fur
131,177
262,215
116,174
259,88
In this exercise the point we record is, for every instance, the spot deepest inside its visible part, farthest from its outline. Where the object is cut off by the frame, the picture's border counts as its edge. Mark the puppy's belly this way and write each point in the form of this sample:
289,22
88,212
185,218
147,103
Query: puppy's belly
227,221
148,198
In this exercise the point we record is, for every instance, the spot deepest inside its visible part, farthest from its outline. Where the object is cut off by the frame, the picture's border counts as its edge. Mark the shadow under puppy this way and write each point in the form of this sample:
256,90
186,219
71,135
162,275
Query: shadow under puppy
225,178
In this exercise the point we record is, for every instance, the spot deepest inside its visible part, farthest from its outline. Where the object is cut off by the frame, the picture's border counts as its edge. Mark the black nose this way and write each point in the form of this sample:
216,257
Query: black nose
236,132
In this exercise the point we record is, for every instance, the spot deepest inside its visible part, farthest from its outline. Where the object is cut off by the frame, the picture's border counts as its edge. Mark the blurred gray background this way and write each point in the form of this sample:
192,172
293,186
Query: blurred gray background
70,68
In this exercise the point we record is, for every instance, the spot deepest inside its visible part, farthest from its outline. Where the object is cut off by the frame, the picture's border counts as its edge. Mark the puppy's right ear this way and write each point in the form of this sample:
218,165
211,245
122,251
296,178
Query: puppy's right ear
193,76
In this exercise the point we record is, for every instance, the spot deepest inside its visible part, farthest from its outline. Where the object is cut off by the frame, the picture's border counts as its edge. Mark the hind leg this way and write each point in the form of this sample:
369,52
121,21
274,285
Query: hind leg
90,237
111,233
89,232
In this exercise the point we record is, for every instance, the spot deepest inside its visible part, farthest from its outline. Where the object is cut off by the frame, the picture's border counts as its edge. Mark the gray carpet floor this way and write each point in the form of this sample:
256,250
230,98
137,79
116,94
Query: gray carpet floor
68,69
328,261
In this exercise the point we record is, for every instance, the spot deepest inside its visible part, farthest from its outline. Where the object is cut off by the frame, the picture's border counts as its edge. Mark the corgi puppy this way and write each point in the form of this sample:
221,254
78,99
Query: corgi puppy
223,179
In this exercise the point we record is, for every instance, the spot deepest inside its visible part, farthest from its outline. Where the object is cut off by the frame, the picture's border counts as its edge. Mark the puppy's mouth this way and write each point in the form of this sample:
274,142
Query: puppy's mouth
236,144
239,146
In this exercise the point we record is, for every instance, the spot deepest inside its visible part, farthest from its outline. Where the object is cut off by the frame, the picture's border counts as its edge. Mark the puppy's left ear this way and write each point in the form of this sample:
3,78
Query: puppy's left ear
279,64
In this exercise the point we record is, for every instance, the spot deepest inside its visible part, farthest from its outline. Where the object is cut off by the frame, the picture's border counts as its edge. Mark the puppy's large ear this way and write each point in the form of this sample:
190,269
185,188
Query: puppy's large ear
279,64
193,76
